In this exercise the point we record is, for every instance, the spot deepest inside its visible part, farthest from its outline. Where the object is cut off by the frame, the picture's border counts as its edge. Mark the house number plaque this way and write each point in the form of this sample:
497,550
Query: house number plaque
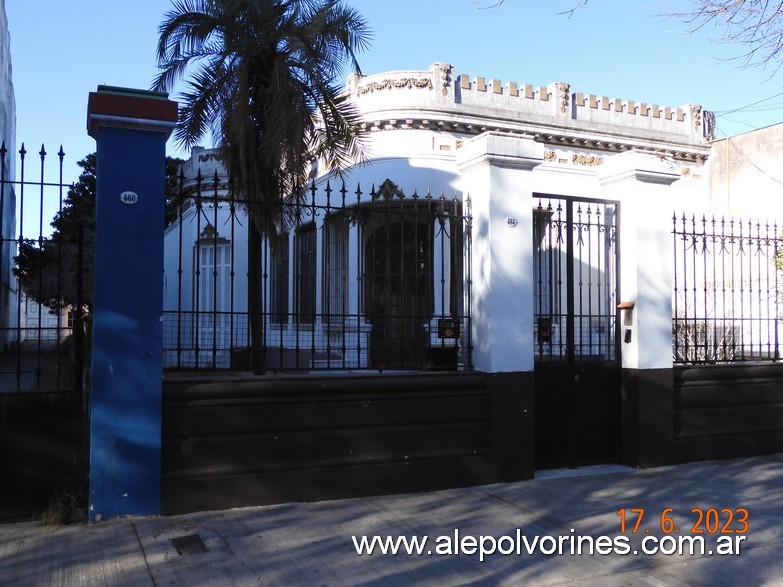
129,197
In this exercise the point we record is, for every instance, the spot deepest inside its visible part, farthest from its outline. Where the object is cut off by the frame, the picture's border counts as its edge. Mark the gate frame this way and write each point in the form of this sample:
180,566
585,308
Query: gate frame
571,365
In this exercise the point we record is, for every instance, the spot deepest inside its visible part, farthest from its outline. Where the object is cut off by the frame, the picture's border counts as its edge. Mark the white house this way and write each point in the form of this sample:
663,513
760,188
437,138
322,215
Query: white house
426,282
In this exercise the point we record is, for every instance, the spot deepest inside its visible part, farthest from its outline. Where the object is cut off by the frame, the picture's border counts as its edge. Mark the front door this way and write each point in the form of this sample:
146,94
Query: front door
577,374
399,294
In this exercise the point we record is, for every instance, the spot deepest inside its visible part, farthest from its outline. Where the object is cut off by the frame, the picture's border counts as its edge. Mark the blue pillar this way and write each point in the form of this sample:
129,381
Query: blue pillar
131,128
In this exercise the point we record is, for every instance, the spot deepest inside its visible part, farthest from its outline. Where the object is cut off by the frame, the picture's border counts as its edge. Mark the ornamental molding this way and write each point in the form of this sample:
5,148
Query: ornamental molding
387,191
445,78
704,119
209,232
589,160
409,83
576,159
565,93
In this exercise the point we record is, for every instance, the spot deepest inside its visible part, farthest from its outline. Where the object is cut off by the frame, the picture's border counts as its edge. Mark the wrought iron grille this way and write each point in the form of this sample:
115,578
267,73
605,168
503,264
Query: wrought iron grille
44,301
348,280
726,304
575,280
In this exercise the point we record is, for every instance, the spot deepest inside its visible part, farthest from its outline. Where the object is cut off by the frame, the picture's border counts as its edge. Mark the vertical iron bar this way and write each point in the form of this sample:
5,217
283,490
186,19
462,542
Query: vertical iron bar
80,274
537,271
21,294
717,332
215,274
328,261
79,355
360,281
345,229
468,276
579,332
179,266
733,296
40,329
58,337
570,335
232,273
312,279
675,313
742,288
766,286
197,273
555,286
728,335
708,323
689,310
776,236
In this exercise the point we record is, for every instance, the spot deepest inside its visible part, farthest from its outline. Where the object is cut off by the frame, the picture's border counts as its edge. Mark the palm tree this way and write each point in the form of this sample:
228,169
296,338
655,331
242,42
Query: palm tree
261,80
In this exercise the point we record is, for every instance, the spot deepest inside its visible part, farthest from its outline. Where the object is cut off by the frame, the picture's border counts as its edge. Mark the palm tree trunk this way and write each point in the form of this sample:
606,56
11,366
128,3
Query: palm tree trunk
255,299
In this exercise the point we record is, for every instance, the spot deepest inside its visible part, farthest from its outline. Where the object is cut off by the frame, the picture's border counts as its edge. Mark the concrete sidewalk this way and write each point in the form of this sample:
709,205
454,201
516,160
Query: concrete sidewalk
311,543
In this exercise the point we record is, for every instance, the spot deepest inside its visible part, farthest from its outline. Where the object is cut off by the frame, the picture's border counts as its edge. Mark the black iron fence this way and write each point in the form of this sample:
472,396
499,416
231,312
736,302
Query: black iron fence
44,296
726,305
339,279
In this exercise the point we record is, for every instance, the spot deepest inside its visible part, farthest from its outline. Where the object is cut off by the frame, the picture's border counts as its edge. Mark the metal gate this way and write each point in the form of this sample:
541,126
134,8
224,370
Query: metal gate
577,375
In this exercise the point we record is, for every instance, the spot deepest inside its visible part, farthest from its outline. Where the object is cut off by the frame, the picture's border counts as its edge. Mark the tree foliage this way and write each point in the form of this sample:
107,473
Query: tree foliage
48,268
757,25
261,78
57,271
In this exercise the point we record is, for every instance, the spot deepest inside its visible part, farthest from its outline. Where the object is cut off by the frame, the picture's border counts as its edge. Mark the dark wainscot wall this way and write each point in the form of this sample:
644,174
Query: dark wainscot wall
728,411
696,413
40,450
232,443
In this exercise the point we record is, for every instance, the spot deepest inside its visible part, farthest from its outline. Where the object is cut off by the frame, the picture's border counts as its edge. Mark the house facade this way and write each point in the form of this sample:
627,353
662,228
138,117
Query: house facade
438,141
539,242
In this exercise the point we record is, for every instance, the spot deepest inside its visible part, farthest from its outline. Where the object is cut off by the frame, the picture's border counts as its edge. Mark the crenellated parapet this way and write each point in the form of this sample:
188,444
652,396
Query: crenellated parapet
436,99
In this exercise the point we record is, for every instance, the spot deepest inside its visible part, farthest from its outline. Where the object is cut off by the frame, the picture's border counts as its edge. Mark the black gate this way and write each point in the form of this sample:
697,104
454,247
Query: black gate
577,375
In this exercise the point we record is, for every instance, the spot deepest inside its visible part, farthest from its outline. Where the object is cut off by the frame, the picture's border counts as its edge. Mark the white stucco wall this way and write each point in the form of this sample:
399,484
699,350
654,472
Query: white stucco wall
746,174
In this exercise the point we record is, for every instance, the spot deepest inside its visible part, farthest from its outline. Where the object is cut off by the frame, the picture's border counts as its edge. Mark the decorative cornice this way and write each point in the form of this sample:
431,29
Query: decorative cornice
574,139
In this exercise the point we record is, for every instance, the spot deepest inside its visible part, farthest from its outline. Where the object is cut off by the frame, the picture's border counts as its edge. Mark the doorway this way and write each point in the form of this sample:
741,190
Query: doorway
577,369
398,303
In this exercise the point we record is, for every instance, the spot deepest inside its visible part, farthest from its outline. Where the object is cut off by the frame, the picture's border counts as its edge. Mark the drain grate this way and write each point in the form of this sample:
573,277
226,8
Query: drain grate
190,544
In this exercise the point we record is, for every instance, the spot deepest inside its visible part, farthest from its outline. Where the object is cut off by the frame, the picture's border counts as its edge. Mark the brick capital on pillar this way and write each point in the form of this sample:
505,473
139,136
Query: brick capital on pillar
131,128
113,107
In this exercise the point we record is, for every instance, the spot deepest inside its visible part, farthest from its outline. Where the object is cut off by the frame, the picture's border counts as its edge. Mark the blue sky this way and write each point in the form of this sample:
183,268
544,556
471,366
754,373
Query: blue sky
624,49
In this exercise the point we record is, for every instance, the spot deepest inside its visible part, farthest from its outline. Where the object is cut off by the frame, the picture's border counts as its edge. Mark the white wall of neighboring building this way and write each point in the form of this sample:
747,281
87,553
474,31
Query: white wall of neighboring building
746,174
8,287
